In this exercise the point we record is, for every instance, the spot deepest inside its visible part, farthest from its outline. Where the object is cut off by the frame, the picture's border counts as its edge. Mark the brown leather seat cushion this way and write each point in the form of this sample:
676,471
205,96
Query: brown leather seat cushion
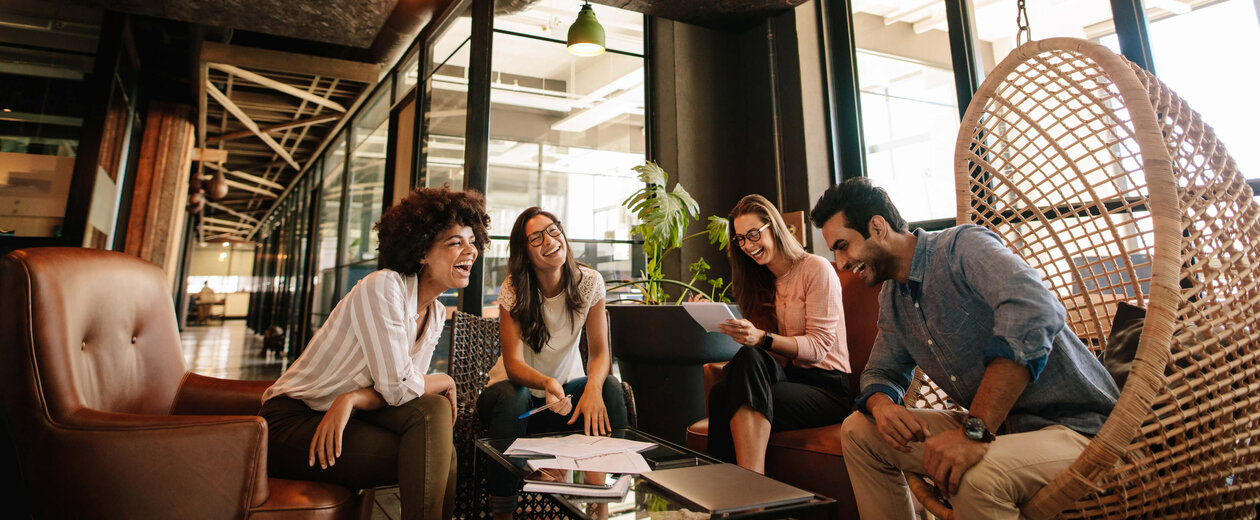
308,500
824,440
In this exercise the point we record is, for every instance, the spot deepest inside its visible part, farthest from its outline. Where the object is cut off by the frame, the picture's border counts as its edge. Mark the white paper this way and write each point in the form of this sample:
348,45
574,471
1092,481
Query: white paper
709,314
618,489
574,446
626,461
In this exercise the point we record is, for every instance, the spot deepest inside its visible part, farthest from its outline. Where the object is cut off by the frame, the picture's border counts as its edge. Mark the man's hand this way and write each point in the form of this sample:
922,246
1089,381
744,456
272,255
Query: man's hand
591,406
326,444
948,455
895,423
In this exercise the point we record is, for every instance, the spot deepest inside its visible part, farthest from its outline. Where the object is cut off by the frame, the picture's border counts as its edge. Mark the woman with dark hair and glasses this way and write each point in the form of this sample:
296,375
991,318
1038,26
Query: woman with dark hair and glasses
358,408
545,302
793,371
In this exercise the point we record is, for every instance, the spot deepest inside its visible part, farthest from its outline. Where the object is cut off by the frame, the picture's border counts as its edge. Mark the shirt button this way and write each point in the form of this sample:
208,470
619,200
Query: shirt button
930,342
953,378
916,305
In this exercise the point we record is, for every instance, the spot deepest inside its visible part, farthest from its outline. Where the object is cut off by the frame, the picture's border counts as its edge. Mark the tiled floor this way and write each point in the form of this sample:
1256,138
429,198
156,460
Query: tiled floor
228,350
231,351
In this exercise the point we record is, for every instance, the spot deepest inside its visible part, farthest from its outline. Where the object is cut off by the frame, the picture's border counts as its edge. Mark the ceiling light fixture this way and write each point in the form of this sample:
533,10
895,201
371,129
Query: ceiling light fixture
586,35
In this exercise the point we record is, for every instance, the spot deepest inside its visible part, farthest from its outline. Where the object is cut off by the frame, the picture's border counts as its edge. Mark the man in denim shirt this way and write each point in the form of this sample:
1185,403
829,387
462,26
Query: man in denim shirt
978,321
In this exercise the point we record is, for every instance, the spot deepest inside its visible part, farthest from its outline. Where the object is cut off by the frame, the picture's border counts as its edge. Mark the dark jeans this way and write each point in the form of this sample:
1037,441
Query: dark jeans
501,403
409,445
790,397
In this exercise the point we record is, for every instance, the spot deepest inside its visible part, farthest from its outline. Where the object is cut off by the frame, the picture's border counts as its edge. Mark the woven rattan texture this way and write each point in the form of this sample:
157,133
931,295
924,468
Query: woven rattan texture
475,348
1107,183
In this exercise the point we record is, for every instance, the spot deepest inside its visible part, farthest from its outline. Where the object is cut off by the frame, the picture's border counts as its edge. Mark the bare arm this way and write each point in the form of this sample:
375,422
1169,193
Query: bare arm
948,455
598,363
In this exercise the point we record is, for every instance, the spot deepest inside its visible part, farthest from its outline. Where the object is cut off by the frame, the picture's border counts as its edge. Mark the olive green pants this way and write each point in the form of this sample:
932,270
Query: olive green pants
408,445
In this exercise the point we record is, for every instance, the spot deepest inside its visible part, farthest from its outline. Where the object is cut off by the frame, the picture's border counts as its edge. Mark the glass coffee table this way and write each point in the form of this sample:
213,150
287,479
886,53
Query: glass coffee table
644,498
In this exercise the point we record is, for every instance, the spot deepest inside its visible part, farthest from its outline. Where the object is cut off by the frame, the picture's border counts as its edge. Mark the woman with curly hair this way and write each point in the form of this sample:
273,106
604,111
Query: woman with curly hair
357,408
545,302
793,371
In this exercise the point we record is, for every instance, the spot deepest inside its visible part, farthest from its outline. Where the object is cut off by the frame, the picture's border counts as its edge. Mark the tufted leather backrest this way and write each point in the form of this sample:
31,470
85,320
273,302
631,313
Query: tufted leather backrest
88,329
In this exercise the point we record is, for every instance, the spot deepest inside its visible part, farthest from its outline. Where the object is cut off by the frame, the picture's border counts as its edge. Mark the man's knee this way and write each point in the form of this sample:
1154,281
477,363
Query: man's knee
857,429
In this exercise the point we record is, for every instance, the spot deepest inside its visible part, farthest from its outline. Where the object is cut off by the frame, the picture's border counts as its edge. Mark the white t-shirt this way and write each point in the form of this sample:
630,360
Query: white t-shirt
559,358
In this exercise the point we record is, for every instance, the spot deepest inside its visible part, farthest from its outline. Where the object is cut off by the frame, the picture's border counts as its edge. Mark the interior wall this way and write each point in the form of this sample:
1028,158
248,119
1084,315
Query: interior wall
715,97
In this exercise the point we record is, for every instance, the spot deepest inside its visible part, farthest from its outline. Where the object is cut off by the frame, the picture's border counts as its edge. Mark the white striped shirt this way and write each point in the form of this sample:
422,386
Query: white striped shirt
369,341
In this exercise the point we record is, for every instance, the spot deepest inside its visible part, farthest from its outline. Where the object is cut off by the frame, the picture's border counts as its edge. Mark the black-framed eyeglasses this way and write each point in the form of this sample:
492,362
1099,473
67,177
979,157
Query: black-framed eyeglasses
536,238
752,234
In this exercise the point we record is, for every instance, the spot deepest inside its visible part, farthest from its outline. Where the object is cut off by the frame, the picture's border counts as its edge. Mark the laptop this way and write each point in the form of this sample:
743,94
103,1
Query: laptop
725,488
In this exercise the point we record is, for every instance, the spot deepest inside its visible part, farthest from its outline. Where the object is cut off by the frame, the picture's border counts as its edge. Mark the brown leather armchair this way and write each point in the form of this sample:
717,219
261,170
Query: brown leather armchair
105,419
812,458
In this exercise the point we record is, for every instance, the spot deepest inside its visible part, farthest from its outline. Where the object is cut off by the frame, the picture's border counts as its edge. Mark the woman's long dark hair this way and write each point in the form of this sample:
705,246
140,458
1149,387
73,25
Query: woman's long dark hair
752,284
528,311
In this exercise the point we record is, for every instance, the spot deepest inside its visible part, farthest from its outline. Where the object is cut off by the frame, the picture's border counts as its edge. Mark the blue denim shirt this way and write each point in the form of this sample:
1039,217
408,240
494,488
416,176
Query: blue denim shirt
969,299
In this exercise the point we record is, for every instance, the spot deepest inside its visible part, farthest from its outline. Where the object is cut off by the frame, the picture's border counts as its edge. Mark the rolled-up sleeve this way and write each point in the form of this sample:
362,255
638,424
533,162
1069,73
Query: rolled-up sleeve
890,368
1026,316
823,311
378,318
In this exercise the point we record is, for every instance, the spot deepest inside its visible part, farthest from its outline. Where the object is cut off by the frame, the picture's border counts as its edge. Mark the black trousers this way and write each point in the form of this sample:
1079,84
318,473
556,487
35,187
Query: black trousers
789,396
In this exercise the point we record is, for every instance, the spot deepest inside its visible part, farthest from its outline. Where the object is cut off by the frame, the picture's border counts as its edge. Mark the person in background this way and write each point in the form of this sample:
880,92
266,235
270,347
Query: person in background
978,321
793,371
205,300
547,300
357,407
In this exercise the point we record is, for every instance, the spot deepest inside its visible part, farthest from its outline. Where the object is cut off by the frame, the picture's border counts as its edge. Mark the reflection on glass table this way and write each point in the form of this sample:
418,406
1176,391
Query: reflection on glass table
644,498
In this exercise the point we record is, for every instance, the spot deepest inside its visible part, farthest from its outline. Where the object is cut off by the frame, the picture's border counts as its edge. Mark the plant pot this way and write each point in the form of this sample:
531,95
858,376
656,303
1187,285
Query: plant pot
661,352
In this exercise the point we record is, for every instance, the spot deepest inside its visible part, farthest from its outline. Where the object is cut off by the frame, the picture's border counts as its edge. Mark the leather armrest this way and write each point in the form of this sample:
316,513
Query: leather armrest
712,374
201,395
188,466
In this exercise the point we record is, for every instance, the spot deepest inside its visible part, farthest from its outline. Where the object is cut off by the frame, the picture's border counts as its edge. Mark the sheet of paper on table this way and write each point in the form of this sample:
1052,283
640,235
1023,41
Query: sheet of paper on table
627,461
575,446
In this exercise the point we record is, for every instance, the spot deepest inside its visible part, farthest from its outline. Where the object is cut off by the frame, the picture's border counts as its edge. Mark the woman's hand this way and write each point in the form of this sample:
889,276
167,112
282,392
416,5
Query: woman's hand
591,406
555,392
444,385
326,444
742,331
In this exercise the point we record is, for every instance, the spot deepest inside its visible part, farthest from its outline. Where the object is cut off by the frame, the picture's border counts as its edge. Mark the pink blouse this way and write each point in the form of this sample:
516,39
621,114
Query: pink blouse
808,308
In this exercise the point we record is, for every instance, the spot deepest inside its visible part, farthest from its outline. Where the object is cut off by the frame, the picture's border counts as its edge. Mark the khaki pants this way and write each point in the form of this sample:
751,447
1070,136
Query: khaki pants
1014,469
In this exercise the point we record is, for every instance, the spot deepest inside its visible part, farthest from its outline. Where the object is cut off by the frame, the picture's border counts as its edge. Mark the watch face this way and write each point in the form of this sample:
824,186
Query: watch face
974,428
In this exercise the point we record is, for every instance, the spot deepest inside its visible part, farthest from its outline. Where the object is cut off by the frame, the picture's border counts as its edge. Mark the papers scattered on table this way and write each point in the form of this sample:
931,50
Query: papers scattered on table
618,489
575,446
623,462
709,314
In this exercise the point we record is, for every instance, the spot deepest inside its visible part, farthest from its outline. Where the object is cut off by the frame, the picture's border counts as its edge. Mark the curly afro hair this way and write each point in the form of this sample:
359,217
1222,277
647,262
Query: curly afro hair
407,229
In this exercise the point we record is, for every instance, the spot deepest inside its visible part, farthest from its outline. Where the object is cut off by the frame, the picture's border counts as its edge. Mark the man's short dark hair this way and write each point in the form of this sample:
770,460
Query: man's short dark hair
859,200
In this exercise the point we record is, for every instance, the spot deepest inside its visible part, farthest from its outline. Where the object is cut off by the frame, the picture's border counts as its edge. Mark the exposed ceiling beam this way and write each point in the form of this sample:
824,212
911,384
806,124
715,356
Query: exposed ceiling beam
221,222
273,128
220,229
263,59
231,211
249,123
271,83
247,176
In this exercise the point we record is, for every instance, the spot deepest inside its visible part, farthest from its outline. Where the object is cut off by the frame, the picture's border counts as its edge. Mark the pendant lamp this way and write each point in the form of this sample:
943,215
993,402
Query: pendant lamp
586,35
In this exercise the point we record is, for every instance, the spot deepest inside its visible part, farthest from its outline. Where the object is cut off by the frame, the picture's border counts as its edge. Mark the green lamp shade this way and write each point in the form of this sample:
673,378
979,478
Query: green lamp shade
586,35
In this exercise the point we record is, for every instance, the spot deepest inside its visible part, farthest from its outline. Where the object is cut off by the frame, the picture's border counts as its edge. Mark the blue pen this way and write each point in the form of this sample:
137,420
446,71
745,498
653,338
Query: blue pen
544,407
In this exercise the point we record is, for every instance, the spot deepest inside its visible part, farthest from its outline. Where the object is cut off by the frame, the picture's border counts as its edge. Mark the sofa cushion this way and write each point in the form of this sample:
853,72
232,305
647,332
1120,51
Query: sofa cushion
823,440
303,499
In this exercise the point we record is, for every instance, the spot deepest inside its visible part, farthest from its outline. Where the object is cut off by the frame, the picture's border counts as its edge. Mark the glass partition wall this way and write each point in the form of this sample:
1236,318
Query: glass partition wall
564,134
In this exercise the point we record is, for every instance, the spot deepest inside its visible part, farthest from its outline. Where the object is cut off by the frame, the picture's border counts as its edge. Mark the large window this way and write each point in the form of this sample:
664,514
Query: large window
1202,70
366,190
446,105
909,112
565,132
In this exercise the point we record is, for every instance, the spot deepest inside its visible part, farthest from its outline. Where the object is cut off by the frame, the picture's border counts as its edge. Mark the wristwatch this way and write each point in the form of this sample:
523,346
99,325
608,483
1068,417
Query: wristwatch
975,429
766,342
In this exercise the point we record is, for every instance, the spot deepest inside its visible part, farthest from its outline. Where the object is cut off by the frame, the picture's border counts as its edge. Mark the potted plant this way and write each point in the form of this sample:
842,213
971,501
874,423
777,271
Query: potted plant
659,348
